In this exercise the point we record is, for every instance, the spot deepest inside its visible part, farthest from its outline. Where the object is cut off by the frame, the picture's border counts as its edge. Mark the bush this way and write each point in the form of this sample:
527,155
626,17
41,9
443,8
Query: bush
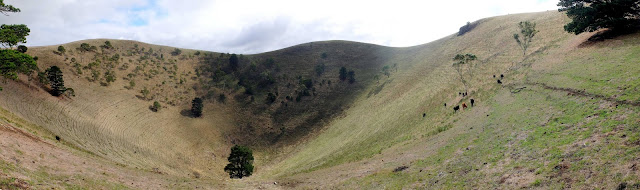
466,28
271,97
156,106
176,52
240,162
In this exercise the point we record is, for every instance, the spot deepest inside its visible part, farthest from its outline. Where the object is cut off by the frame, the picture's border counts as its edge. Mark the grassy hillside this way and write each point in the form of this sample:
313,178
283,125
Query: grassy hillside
565,115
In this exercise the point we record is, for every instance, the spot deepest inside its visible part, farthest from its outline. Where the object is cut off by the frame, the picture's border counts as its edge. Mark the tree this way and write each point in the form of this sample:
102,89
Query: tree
528,31
13,63
462,62
592,15
11,35
5,9
54,74
61,49
240,162
233,62
352,76
85,47
22,49
386,70
343,73
196,107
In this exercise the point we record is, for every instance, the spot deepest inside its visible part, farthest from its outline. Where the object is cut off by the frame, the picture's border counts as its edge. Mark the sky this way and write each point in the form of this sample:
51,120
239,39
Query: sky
255,26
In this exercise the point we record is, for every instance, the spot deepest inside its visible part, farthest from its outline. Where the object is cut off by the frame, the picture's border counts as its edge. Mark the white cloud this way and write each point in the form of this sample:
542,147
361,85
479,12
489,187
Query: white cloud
244,26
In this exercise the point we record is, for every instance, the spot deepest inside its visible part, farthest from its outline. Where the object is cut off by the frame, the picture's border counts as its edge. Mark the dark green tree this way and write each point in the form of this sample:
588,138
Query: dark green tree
233,62
196,107
13,63
5,9
11,35
343,73
528,31
61,49
54,74
352,76
592,15
22,49
240,162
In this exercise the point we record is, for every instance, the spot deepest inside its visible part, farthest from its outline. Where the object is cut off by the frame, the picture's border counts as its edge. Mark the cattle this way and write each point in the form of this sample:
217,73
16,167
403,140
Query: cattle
424,115
501,76
445,105
455,109
472,101
499,82
494,76
464,106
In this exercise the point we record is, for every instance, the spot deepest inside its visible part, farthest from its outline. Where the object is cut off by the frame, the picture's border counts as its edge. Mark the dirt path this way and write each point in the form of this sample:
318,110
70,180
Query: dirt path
582,93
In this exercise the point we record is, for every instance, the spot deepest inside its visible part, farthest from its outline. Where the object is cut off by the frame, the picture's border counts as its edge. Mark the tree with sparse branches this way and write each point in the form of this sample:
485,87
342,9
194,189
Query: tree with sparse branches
240,162
528,31
12,35
592,15
462,62
5,9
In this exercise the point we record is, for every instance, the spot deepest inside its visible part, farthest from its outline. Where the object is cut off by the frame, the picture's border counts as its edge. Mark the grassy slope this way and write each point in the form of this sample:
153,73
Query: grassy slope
536,137
533,137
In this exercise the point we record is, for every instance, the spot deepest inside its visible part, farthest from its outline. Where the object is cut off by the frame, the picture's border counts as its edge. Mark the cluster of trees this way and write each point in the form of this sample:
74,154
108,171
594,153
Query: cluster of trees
344,75
466,28
14,62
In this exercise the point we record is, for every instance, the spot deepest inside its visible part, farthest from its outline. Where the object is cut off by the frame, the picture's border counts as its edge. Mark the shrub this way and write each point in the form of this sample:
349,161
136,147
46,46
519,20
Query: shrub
156,106
271,97
176,52
320,69
240,162
61,49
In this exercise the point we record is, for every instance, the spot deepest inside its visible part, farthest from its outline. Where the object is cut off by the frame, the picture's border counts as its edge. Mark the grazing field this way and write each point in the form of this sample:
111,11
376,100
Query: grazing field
565,115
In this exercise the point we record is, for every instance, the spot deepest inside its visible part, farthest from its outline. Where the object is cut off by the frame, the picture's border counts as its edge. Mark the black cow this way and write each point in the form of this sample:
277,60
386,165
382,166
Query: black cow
499,82
494,76
455,109
445,105
472,101
424,115
501,76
